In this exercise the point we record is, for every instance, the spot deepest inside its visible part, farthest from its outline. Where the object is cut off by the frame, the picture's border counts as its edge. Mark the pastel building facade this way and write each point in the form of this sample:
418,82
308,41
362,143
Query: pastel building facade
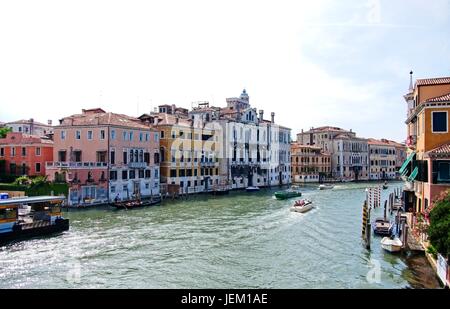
24,154
383,160
105,156
309,163
31,127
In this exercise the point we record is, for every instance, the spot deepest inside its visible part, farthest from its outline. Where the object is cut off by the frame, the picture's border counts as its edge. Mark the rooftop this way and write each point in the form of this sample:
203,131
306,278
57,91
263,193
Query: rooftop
22,138
98,116
433,81
442,98
441,151
28,121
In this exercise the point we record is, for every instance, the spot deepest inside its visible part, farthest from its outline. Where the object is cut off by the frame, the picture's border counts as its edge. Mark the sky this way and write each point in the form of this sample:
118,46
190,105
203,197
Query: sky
342,63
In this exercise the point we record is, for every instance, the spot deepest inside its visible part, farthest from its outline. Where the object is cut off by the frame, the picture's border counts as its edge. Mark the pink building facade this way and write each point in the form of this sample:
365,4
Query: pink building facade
105,156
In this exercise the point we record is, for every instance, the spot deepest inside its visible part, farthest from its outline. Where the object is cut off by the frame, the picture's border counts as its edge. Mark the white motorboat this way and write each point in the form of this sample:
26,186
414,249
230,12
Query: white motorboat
252,189
302,206
391,245
325,186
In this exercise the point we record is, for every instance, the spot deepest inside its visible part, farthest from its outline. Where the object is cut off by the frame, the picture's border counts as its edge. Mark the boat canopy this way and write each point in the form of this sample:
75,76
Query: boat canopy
407,161
32,200
414,174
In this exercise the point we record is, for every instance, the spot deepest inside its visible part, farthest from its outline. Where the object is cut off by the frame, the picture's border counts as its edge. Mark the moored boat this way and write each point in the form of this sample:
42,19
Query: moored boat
302,206
391,245
382,226
252,189
28,217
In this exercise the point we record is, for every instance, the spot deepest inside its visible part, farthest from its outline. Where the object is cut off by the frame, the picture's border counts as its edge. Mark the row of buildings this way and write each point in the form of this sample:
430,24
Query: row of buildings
173,150
105,156
331,153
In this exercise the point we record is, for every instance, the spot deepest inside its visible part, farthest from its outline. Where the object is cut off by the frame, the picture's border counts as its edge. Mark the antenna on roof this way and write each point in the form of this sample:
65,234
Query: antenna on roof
411,80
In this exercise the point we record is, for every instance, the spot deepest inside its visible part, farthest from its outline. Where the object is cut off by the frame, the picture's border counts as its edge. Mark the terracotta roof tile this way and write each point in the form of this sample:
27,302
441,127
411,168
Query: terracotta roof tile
443,150
433,81
442,98
101,118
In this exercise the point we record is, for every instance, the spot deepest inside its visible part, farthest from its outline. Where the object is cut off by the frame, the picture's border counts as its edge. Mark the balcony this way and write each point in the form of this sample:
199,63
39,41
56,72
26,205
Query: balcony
411,141
137,164
76,165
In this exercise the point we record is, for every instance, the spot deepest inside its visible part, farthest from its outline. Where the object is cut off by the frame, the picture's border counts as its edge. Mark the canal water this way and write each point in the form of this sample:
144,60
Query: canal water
242,240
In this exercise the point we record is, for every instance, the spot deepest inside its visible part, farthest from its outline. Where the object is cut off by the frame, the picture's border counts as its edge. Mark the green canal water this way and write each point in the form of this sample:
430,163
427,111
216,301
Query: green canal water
243,240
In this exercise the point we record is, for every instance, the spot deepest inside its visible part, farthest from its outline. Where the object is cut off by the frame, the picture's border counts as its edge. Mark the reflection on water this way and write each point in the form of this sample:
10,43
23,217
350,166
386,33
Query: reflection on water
243,240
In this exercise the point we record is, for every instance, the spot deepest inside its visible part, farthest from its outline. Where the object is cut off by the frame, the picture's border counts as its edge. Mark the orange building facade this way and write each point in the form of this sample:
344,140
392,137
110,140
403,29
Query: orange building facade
309,163
427,169
23,154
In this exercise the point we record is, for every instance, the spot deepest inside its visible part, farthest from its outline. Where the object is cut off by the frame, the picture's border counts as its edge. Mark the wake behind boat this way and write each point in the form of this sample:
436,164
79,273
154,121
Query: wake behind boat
302,206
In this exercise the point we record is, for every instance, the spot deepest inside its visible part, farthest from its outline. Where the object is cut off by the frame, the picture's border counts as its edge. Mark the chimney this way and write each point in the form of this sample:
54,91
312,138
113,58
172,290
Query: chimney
176,120
49,122
261,115
272,115
173,109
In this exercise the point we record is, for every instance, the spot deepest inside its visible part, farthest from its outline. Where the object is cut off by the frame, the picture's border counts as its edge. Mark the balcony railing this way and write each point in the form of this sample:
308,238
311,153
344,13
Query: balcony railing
76,165
137,164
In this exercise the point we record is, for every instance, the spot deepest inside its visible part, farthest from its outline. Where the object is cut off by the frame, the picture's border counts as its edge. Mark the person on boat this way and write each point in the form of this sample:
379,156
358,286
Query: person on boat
116,199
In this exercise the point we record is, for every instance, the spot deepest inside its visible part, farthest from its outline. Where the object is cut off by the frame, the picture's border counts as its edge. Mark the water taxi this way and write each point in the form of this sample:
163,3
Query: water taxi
325,187
302,206
289,193
27,217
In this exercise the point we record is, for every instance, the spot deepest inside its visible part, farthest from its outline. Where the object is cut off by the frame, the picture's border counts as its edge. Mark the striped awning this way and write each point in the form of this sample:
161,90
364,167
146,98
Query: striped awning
407,161
414,174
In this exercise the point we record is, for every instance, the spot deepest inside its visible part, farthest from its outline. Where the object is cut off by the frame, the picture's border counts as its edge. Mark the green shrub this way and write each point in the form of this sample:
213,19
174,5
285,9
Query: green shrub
439,230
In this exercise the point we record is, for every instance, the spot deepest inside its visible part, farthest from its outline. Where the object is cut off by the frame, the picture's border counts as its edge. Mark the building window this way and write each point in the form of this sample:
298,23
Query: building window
113,175
38,151
156,173
113,157
125,135
141,174
141,136
162,134
38,167
89,135
63,135
113,134
439,120
124,175
173,173
147,174
147,185
146,137
113,189
102,134
77,134
131,136
443,171
156,137
132,174
24,151
62,156
125,157
77,155
2,152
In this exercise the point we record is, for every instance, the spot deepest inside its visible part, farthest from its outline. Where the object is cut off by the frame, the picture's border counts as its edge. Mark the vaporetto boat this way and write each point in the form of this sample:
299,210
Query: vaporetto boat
27,217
